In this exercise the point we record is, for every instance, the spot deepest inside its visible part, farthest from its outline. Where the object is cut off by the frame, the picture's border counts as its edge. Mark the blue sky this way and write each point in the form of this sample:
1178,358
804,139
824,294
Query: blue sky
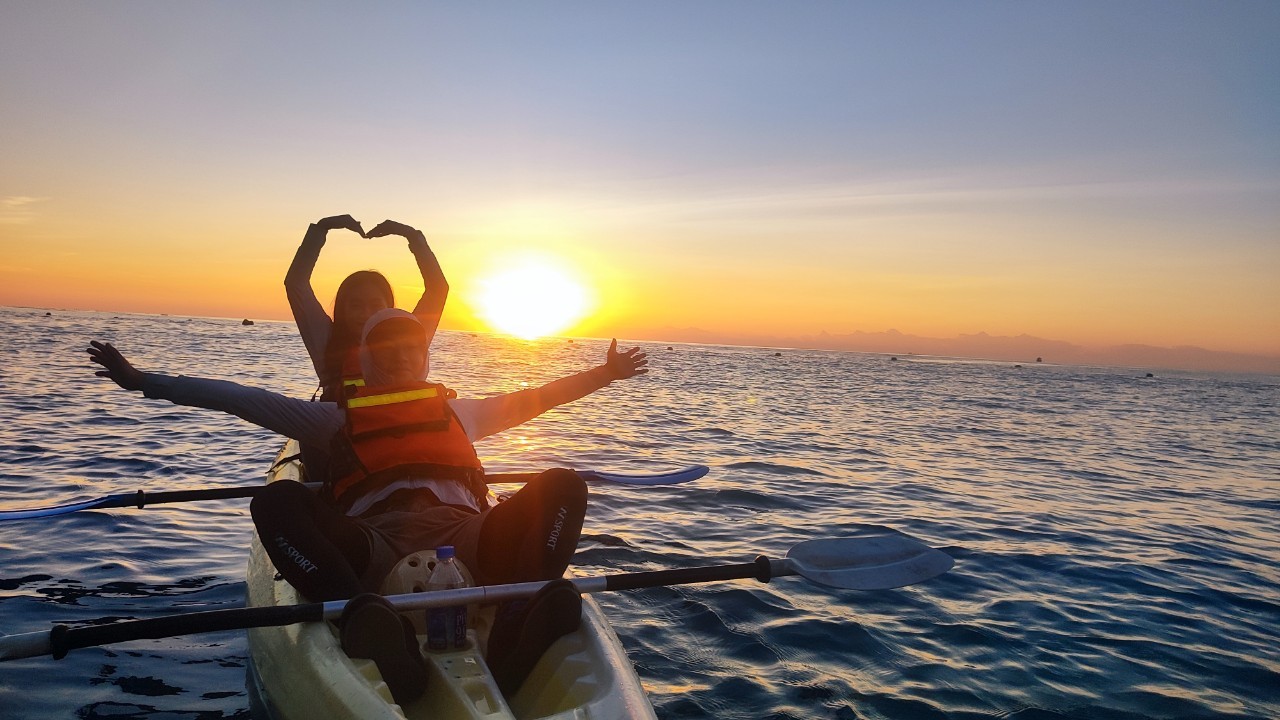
909,165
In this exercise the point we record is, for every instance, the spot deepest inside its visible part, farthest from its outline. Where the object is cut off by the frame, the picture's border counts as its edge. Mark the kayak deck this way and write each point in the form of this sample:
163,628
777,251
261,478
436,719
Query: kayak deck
299,671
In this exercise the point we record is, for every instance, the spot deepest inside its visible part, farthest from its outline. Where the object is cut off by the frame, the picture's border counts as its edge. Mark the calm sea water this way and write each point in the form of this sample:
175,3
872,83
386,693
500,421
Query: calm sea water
1116,536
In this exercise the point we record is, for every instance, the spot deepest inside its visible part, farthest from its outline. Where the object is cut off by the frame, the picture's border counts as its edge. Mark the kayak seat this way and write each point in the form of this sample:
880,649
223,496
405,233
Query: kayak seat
460,683
411,574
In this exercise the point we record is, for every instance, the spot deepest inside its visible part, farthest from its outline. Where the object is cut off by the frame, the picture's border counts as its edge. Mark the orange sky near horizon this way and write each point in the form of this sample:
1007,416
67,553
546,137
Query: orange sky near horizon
638,291
835,168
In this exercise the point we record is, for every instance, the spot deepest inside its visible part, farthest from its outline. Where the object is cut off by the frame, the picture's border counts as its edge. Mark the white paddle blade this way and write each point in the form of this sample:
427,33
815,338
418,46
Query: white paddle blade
875,561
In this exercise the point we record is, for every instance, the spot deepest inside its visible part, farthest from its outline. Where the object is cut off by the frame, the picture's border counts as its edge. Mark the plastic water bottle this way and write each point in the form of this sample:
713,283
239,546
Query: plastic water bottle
446,626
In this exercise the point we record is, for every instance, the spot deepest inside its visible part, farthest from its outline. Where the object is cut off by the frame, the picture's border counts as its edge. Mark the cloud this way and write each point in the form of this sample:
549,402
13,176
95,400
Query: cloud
14,201
19,209
941,193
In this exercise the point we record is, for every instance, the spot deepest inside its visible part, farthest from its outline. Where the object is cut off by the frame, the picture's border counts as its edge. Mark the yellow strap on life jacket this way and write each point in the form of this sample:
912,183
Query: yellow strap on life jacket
389,398
356,382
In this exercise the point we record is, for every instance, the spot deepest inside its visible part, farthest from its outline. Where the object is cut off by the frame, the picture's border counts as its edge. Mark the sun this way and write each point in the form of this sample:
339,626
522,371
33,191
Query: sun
532,299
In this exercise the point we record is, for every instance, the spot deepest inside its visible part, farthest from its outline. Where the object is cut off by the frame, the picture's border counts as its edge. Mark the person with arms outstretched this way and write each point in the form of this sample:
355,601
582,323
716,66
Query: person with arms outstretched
405,477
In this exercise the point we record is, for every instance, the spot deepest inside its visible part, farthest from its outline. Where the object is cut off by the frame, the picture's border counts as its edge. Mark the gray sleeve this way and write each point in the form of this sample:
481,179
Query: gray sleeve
435,289
314,324
309,422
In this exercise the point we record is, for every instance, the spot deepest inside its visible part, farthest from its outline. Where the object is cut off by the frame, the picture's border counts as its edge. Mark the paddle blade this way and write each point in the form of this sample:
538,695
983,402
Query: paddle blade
877,560
64,509
674,477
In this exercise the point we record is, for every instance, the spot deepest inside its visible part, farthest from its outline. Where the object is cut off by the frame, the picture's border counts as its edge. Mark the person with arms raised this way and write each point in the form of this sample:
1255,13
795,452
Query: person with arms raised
331,342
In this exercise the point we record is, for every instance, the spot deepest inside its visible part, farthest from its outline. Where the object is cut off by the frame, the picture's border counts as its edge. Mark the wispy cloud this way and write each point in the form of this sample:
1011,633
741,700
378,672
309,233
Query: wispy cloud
19,209
944,194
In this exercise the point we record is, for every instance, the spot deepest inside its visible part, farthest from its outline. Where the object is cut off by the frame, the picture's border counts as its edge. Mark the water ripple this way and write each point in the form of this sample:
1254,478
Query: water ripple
1115,536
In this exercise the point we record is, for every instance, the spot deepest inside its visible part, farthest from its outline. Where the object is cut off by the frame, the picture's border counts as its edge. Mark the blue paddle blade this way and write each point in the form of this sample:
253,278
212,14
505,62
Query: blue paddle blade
55,510
675,477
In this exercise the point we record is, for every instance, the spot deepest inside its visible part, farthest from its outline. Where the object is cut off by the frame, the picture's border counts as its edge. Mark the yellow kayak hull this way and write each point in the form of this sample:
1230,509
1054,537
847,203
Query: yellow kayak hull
299,672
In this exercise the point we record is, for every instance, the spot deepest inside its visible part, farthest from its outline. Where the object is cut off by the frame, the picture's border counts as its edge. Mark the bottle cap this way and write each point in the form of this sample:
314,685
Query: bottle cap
444,552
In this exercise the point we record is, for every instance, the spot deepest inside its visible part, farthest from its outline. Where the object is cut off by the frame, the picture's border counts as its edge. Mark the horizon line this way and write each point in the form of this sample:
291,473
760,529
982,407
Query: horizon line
796,343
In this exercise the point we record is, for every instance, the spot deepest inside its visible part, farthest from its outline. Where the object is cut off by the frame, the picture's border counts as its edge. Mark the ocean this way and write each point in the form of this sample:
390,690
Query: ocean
1116,534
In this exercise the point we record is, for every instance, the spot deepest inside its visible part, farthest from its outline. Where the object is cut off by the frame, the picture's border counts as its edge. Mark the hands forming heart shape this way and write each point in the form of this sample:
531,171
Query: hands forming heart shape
384,228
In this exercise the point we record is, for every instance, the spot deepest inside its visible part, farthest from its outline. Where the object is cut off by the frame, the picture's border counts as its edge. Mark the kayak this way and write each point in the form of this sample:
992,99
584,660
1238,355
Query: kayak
300,671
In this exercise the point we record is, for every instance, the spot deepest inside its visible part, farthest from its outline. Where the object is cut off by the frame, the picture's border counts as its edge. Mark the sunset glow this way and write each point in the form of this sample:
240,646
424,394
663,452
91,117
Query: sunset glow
530,300
844,177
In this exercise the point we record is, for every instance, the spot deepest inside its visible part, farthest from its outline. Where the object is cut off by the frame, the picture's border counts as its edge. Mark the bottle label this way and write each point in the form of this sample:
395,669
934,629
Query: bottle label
447,628
437,625
460,626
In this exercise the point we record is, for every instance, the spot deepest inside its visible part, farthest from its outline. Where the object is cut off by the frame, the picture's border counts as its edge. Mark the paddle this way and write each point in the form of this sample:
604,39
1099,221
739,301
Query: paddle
141,498
873,560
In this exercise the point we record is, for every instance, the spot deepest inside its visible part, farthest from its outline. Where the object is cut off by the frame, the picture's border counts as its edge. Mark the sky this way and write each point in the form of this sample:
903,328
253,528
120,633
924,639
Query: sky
1091,172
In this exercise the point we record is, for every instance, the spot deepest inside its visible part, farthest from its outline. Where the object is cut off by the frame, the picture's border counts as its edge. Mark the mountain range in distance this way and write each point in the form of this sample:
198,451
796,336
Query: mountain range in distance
1019,349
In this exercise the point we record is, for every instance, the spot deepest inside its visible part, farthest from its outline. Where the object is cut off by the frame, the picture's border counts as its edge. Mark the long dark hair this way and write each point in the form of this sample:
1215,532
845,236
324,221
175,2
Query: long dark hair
345,334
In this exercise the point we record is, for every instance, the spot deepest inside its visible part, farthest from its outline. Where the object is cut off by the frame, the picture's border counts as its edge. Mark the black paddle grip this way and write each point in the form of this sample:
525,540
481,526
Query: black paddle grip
759,569
63,639
142,498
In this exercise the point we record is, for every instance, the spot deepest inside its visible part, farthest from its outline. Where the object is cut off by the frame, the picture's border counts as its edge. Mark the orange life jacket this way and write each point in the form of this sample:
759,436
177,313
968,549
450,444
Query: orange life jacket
392,433
345,382
352,373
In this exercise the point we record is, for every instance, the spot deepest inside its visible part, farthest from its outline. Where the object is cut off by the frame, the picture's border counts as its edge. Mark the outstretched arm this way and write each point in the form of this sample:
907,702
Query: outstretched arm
435,289
306,421
314,324
493,415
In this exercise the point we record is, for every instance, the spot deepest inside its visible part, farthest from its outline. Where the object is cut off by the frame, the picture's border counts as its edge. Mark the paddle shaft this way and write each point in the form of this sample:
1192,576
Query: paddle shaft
876,559
61,639
142,498
763,569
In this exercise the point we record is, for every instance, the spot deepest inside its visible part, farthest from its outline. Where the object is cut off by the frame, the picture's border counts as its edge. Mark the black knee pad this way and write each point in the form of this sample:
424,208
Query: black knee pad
566,484
279,497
